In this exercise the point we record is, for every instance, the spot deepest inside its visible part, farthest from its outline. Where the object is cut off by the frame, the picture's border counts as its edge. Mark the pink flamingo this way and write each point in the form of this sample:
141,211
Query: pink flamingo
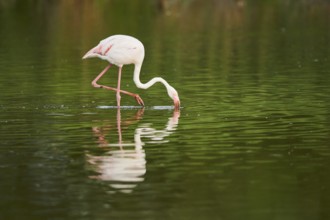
121,50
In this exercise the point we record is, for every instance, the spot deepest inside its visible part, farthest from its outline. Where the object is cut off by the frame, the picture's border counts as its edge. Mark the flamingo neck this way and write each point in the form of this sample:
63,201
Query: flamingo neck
141,85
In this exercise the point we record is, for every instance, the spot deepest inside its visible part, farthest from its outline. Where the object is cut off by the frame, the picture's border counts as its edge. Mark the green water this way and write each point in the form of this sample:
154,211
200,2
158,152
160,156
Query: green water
251,140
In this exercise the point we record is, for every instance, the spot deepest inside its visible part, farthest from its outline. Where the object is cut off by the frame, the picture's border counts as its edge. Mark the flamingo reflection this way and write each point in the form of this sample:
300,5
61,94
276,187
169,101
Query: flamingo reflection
125,166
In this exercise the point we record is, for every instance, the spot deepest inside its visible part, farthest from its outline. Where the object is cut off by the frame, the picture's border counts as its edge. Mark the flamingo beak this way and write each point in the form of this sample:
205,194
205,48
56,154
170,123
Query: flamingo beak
176,102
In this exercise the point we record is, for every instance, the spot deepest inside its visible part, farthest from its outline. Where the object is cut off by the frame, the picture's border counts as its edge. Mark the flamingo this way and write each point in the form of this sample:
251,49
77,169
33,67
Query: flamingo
121,50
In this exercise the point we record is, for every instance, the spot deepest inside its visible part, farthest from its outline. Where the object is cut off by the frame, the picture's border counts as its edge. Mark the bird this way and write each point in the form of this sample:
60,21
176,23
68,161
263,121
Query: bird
122,50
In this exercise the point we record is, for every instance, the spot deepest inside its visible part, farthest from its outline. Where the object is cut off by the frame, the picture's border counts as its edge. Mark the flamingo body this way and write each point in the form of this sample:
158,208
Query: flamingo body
119,50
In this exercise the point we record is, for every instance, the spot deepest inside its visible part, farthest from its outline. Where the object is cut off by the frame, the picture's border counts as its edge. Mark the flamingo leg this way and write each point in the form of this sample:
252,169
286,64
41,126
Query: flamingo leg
96,85
118,87
94,82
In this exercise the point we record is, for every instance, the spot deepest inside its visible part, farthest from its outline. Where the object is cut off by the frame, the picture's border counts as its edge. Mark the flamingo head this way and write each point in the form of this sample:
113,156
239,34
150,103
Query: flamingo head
173,94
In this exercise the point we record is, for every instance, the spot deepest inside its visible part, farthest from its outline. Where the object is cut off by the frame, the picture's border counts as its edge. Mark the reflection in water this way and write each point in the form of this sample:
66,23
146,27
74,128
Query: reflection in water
125,166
